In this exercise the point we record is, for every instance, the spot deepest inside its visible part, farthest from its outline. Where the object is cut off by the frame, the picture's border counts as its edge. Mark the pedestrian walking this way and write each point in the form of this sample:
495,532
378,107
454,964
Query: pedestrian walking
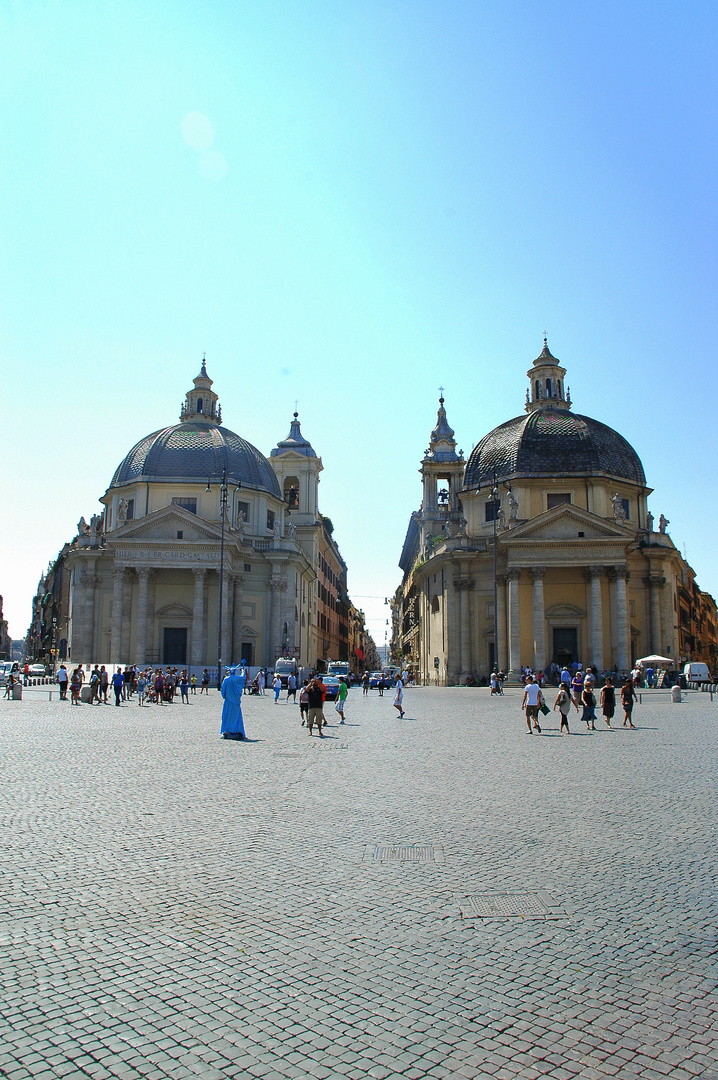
628,696
577,688
588,701
193,683
292,687
117,684
184,688
141,687
341,698
232,689
399,697
62,681
95,686
104,683
531,703
563,702
382,685
608,701
75,686
277,687
304,701
204,688
314,700
322,686
160,687
261,681
365,683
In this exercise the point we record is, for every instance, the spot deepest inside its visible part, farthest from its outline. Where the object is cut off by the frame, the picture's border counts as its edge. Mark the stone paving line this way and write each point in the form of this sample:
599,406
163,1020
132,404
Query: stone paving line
175,905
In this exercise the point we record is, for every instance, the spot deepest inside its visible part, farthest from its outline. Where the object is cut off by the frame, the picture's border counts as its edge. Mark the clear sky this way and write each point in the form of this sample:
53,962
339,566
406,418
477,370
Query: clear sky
351,204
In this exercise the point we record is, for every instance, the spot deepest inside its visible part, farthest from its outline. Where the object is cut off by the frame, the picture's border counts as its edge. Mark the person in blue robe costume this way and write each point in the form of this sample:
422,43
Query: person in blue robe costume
232,689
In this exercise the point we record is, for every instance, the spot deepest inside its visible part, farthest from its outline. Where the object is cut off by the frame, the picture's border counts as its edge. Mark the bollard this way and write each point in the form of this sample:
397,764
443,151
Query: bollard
17,691
676,694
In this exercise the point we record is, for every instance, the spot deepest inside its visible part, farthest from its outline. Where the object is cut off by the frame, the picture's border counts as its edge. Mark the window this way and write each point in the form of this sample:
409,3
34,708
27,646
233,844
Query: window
200,403
270,520
247,568
626,507
557,499
242,508
180,534
492,510
130,509
435,605
187,504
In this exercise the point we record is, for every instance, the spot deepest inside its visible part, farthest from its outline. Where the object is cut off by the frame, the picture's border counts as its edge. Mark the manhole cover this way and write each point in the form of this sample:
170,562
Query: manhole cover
524,905
401,853
330,744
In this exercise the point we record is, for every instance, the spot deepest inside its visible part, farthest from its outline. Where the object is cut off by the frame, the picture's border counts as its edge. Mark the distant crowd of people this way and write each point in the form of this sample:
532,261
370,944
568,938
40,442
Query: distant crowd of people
153,686
577,690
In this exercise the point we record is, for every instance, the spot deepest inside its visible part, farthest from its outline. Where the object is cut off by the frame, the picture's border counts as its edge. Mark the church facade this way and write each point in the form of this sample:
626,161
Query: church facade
204,547
540,549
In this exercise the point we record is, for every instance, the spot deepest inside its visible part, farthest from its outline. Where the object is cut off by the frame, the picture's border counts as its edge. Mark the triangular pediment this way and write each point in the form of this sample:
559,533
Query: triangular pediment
565,522
165,523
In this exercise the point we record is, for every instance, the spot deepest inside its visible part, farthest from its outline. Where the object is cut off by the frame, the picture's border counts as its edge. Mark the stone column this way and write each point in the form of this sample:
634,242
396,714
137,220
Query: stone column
463,585
237,618
655,583
118,584
90,584
500,645
594,575
623,636
227,592
199,633
512,584
273,641
143,575
539,619
126,617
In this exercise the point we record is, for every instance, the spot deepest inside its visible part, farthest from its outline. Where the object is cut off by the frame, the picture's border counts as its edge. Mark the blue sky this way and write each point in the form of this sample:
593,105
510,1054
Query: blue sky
351,204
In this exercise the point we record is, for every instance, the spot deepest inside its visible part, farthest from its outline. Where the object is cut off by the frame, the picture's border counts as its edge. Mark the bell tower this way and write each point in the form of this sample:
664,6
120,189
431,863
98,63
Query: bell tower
201,404
546,383
442,471
297,467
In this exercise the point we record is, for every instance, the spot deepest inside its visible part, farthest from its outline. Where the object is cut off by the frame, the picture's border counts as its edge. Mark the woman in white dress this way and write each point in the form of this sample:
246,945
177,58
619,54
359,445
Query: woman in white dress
399,698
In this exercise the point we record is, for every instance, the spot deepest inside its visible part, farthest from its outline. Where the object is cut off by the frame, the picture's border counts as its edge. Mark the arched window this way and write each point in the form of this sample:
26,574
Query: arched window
548,388
538,391
559,391
199,404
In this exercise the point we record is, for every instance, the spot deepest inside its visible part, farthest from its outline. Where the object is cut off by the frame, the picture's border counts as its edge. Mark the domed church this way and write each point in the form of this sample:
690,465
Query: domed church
196,521
540,549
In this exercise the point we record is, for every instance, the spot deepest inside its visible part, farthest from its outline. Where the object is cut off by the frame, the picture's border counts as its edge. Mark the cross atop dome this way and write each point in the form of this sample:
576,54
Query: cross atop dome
201,404
546,382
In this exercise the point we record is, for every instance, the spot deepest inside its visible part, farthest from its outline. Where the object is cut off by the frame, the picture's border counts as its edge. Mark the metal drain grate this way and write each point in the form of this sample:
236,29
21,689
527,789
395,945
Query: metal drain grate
403,853
524,905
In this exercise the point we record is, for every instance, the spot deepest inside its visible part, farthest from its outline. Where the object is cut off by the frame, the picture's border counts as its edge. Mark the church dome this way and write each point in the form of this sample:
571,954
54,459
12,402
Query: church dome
196,452
197,449
552,442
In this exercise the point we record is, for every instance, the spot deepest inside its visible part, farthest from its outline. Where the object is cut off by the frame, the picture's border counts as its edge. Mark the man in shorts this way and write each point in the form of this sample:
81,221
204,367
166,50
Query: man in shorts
314,714
532,702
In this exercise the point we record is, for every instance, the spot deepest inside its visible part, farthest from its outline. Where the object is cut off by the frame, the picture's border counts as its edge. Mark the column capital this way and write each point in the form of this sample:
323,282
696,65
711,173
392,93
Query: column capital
199,572
463,583
513,573
654,581
537,571
592,572
118,572
239,579
501,579
143,572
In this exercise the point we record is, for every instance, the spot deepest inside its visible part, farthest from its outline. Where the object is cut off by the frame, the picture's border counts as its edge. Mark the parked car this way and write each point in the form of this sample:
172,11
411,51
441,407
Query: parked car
332,684
37,671
6,666
375,678
697,673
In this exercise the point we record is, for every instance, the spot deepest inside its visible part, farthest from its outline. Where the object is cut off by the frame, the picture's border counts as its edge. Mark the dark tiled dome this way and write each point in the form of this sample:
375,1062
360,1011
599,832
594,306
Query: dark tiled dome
196,451
552,442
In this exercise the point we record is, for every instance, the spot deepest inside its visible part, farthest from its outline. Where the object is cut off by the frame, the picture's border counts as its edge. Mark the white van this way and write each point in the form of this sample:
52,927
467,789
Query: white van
697,673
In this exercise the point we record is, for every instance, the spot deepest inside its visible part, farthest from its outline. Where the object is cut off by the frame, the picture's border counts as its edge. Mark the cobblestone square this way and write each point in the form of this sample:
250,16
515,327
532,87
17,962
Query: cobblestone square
175,905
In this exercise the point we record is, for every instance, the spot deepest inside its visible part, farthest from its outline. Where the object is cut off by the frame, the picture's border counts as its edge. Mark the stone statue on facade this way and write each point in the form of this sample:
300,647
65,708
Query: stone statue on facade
501,517
122,511
619,510
83,529
277,530
240,521
662,523
513,507
291,531
649,521
96,524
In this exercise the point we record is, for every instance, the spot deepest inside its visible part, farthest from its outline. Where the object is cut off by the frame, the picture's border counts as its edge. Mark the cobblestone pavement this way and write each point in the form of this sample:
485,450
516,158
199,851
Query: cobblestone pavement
175,905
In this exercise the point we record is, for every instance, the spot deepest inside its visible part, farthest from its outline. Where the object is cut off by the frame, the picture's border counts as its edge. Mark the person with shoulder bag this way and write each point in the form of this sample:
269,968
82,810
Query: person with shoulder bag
563,701
531,703
588,701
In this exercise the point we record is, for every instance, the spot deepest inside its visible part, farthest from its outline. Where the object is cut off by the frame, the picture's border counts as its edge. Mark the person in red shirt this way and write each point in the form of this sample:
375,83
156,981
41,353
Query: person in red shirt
322,687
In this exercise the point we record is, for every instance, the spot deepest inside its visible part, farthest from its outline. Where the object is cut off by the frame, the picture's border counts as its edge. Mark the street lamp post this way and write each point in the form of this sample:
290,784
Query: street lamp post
223,501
